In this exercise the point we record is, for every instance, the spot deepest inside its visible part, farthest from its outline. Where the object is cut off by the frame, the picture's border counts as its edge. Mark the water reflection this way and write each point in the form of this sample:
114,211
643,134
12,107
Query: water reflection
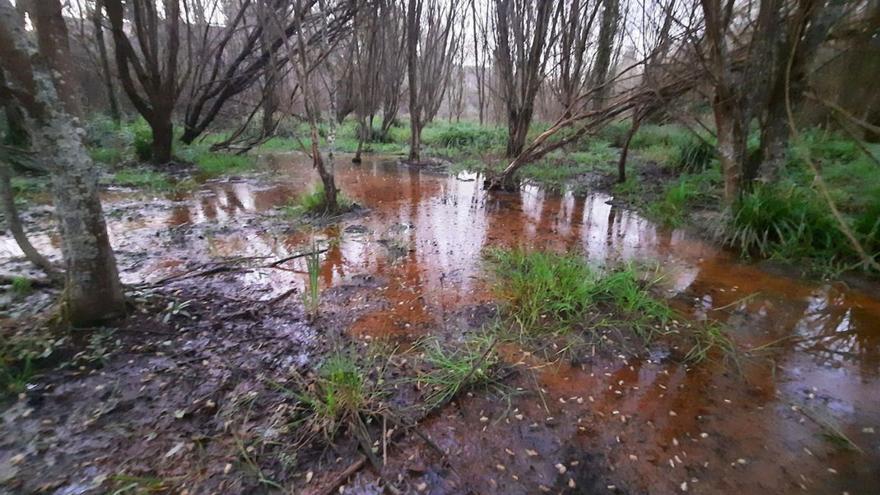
425,232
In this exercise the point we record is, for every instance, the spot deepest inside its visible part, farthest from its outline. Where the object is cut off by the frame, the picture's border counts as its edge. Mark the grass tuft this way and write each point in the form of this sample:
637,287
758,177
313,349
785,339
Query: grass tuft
549,293
452,370
314,203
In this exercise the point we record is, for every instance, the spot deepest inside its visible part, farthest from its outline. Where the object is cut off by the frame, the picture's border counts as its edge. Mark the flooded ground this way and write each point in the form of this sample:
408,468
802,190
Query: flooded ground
614,424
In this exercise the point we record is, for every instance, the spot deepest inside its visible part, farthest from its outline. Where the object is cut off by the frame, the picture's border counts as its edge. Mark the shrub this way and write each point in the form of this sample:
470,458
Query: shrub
785,222
142,140
463,136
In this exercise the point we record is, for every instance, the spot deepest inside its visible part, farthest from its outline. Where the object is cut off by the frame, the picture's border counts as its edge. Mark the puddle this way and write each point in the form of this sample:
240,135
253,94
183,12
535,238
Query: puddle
707,429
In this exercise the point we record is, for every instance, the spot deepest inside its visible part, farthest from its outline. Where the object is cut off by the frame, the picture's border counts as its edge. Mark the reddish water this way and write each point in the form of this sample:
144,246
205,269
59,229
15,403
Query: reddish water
710,427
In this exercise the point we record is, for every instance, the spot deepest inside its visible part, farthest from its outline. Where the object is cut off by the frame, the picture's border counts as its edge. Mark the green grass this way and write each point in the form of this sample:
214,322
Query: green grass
313,203
550,293
451,370
677,198
789,222
142,178
21,286
15,377
20,355
215,164
710,339
279,144
341,395
673,147
108,156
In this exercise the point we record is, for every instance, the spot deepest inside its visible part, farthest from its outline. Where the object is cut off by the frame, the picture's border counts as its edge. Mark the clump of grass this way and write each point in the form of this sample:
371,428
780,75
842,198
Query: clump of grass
682,195
14,377
553,293
214,164
20,355
341,395
623,290
541,291
708,339
107,155
142,178
450,370
21,286
142,140
785,223
314,203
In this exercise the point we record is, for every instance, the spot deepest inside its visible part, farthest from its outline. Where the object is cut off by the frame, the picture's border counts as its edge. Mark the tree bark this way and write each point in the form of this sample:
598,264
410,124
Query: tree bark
624,152
607,34
163,138
93,292
413,14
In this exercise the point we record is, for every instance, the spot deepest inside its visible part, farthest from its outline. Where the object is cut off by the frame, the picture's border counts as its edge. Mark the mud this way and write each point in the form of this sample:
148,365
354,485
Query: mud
410,266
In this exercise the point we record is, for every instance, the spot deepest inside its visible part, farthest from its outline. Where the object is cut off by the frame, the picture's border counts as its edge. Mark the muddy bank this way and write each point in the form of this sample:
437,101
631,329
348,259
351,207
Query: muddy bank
410,267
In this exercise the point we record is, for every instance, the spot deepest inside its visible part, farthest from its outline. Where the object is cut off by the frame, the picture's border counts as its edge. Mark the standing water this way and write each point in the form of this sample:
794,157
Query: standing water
802,415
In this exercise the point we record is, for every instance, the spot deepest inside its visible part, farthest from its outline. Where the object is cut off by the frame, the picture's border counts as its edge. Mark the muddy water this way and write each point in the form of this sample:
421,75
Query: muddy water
648,425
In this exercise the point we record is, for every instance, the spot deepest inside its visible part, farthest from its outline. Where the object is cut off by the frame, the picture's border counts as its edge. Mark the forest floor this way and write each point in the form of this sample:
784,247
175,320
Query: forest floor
417,374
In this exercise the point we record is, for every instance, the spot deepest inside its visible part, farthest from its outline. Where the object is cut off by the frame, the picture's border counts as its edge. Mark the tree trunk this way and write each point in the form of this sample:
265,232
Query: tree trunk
607,33
163,138
624,152
413,14
93,292
731,146
517,131
415,141
113,103
331,204
13,222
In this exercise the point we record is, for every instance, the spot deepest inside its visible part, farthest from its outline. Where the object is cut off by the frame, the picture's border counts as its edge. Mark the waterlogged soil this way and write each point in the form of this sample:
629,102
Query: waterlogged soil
181,398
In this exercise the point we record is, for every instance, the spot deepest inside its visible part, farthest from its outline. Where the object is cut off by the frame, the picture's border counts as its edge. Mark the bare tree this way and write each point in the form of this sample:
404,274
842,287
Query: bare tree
657,40
524,33
479,30
573,50
432,42
305,57
41,82
233,57
367,56
393,70
98,26
149,66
